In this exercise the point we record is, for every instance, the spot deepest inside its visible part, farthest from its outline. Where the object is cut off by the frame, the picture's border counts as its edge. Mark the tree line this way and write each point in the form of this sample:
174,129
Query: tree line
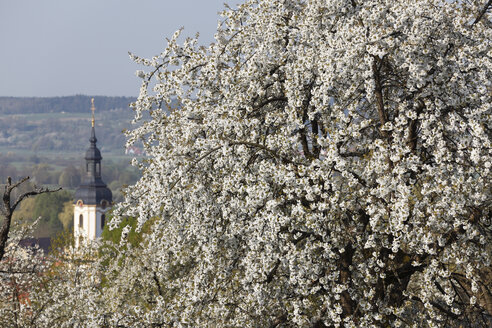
68,104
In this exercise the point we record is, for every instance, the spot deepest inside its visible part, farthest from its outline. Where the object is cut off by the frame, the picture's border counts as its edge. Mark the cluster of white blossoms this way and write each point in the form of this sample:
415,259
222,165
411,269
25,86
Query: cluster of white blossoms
328,165
19,268
62,289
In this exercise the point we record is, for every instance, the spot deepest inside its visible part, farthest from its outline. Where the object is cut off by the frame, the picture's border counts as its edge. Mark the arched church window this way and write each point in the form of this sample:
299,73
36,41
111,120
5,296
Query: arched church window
81,220
103,221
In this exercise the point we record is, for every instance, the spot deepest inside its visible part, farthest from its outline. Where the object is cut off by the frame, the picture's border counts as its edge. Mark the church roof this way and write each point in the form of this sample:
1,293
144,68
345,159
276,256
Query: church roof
93,193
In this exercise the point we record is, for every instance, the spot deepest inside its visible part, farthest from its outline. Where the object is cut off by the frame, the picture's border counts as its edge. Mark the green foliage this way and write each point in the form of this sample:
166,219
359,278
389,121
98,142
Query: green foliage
61,241
47,206
134,237
70,177
114,235
25,210
66,215
45,174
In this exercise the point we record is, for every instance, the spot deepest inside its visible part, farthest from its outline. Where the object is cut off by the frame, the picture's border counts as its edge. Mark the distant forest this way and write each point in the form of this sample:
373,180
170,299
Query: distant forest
69,104
62,124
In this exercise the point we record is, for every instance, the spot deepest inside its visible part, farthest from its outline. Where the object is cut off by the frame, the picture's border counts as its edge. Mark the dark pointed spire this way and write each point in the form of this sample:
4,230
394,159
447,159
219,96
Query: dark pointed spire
93,138
93,190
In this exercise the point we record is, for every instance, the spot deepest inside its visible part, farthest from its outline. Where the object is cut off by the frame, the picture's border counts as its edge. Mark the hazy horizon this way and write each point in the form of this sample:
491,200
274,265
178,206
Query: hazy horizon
56,48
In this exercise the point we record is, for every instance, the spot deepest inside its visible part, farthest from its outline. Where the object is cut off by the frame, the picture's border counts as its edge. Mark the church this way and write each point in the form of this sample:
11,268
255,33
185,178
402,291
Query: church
93,198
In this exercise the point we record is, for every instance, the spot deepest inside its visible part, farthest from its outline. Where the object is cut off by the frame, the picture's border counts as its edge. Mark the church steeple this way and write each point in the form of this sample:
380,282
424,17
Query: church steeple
93,190
93,198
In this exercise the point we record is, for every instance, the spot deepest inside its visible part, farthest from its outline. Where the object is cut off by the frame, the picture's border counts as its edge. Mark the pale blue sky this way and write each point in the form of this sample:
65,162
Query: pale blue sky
66,47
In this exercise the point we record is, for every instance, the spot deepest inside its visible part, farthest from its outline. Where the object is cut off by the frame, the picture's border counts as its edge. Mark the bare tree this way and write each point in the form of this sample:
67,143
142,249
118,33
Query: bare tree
9,205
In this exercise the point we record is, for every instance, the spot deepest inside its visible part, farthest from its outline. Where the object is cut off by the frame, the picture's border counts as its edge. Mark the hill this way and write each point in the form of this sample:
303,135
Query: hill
69,104
61,124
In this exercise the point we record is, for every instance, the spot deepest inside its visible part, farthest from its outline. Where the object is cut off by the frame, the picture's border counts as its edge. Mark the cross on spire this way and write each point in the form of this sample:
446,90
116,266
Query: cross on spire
93,109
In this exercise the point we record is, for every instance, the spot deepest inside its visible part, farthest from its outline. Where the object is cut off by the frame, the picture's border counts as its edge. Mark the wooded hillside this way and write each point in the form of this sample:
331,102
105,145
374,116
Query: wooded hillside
69,104
62,123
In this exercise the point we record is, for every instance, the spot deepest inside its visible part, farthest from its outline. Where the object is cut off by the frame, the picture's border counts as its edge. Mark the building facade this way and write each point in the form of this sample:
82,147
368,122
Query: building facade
93,198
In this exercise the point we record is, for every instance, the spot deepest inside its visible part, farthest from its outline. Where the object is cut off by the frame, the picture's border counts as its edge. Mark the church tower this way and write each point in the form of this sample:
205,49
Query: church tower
93,198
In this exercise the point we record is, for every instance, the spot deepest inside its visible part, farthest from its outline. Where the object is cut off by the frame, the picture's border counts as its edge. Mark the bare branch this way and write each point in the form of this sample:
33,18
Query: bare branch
8,208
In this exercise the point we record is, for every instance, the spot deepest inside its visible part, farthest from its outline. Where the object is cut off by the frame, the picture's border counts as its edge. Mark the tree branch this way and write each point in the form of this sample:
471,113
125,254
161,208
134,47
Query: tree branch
482,12
8,208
